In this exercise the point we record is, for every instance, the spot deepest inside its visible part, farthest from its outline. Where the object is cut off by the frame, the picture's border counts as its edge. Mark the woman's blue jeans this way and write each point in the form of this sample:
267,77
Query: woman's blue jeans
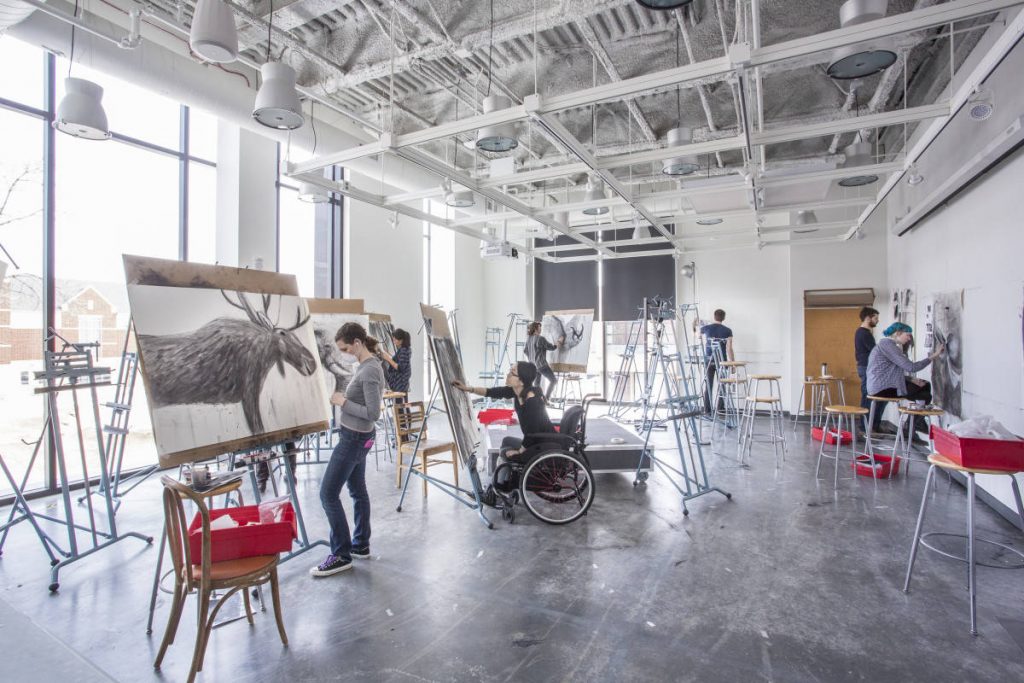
347,466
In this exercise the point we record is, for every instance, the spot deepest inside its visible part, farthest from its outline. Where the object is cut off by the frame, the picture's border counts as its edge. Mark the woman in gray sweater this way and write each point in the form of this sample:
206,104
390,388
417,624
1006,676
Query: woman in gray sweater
360,408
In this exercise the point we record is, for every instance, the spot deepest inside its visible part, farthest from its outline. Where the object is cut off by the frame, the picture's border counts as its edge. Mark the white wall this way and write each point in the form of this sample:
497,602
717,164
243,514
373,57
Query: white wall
384,266
469,302
246,198
976,244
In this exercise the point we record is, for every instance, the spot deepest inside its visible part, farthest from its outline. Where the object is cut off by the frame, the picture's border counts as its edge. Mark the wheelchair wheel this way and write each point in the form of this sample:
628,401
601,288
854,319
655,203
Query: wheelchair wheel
557,487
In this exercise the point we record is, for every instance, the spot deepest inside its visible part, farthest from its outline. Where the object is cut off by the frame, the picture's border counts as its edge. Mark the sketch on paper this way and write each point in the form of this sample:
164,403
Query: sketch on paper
945,315
337,368
574,329
460,412
223,365
382,330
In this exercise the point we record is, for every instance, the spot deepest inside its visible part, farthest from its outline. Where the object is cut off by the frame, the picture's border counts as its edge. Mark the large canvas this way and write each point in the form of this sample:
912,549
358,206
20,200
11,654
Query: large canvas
944,317
228,358
449,369
381,328
574,328
327,317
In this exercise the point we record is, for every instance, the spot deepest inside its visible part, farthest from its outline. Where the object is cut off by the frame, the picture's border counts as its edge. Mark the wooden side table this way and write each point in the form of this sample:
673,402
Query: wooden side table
941,461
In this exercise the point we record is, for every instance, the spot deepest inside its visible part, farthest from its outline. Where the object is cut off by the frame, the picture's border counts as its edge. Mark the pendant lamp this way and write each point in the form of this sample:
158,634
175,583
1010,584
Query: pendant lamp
313,194
499,138
858,154
853,61
213,35
80,112
595,191
681,165
805,218
277,103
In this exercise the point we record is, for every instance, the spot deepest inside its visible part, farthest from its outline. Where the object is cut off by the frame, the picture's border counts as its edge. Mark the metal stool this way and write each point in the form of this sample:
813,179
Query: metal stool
836,415
819,390
869,436
829,379
908,414
728,391
776,421
948,465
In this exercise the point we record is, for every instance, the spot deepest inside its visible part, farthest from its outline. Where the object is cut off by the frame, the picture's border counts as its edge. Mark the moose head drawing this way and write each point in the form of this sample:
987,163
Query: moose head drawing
225,361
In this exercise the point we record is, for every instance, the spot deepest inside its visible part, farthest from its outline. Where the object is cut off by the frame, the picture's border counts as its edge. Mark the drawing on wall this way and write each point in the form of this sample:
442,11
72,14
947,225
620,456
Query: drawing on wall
449,369
574,329
223,366
944,320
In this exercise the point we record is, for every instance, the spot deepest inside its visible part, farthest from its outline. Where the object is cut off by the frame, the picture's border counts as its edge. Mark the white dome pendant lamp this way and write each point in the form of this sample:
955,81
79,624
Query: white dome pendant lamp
80,112
213,35
277,102
500,138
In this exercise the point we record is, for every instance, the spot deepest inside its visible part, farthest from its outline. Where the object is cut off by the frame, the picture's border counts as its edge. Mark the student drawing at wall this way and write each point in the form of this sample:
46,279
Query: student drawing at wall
889,369
863,344
536,350
360,408
398,368
530,411
715,334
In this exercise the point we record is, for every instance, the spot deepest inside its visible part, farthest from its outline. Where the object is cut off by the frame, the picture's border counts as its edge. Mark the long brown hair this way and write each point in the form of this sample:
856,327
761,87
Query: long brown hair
350,332
533,328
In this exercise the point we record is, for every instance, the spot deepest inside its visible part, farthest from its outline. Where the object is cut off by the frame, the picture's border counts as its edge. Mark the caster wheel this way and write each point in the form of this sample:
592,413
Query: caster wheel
398,509
728,496
686,513
54,563
636,483
54,587
149,540
490,525
642,477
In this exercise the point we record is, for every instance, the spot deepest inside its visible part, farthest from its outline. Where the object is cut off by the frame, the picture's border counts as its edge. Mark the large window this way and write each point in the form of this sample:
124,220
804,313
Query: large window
151,191
309,236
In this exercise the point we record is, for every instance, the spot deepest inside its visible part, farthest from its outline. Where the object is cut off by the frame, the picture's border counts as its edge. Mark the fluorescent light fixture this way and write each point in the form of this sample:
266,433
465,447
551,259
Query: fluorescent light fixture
80,112
681,165
498,138
595,192
277,102
313,194
213,35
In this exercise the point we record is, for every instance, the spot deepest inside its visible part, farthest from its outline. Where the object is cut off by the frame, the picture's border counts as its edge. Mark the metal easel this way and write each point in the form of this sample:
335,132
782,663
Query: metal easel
69,370
682,407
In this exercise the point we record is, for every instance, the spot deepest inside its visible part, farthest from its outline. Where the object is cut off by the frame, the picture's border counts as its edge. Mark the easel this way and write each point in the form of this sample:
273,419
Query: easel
431,317
69,370
627,378
681,407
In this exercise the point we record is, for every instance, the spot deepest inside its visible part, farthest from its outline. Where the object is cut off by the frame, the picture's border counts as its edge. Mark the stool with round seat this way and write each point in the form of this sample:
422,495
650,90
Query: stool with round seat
944,463
838,381
907,415
818,391
869,428
771,397
728,392
837,416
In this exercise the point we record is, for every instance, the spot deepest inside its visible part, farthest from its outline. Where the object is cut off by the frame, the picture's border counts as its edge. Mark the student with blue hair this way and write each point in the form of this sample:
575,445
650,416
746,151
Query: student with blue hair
889,369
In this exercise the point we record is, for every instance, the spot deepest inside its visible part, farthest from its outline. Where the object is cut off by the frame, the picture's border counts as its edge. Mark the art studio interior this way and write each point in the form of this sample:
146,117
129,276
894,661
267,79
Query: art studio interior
482,340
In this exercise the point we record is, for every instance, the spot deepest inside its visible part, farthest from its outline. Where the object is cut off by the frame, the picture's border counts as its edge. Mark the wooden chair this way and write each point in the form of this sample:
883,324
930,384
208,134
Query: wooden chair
409,418
203,577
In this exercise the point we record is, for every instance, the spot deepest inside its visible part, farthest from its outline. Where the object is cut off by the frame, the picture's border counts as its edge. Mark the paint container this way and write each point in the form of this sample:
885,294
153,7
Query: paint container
824,369
200,476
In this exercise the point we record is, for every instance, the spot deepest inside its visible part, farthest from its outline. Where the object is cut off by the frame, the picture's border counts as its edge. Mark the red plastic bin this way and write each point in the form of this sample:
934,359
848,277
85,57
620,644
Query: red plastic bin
984,454
496,416
243,541
883,465
830,438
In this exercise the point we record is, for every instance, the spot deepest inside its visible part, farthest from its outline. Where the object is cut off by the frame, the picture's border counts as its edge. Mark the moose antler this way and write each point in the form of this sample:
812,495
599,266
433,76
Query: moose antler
244,305
299,320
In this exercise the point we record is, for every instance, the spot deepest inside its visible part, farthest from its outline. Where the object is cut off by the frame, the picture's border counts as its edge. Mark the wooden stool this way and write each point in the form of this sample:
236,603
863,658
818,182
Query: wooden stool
819,388
837,415
773,399
948,465
908,414
410,421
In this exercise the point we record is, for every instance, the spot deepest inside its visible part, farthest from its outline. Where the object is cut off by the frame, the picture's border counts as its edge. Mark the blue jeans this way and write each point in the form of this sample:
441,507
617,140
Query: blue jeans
347,465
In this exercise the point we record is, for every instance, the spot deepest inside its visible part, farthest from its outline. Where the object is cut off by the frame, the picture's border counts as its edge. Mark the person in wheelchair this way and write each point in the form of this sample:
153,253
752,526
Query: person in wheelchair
532,413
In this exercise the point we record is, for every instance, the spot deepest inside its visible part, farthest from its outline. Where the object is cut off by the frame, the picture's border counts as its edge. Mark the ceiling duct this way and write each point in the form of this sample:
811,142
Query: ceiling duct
858,154
854,61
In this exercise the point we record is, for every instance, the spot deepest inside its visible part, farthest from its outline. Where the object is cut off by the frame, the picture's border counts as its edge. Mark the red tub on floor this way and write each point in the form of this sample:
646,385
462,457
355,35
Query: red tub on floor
830,438
884,464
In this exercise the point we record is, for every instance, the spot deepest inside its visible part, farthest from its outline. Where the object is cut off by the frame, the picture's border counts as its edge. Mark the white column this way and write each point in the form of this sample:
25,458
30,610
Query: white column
246,198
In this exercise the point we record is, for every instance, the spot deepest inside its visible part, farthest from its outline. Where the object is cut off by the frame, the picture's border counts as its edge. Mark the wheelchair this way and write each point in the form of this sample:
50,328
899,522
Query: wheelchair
552,478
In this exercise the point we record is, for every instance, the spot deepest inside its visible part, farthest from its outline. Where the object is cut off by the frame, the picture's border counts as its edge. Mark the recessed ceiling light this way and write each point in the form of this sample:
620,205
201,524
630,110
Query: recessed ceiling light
709,221
858,180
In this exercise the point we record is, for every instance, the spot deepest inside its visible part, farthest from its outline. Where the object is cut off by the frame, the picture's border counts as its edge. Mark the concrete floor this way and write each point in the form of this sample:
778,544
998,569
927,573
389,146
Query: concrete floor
789,581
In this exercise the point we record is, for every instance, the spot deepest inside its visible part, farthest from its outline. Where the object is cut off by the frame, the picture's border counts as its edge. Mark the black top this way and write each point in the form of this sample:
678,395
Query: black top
715,333
863,343
398,378
536,350
532,413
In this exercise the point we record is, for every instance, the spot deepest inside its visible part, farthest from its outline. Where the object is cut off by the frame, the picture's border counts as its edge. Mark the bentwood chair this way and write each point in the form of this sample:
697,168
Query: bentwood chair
201,576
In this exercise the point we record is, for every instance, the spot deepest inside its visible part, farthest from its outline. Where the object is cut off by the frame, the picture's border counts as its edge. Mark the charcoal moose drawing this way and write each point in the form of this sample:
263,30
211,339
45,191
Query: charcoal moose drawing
947,369
574,329
223,365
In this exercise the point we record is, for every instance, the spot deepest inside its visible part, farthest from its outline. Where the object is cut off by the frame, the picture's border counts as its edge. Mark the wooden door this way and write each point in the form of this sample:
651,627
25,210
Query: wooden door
828,338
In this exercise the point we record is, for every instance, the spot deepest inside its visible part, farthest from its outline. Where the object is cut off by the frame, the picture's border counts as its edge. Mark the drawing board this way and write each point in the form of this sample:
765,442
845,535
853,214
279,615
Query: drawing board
574,328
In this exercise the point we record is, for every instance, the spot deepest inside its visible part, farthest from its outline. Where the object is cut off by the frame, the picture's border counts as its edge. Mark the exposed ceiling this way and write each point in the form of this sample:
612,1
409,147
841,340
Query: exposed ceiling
406,66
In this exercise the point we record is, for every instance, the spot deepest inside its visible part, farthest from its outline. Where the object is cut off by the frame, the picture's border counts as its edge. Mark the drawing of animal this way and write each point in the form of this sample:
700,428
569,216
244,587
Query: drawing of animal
225,361
571,330
330,360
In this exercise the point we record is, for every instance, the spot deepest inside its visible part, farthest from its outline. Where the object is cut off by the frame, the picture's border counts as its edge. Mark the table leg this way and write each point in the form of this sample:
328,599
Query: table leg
972,572
917,529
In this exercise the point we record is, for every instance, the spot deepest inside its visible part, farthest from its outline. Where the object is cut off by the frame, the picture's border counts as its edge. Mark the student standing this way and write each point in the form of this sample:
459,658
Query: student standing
360,408
715,334
863,345
536,350
398,368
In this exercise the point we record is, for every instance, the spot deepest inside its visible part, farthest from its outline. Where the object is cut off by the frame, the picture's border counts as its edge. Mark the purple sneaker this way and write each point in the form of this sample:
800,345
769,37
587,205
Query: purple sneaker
332,565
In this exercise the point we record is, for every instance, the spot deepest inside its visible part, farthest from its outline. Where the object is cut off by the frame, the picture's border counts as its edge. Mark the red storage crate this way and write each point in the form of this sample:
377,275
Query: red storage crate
243,541
983,454
830,438
496,416
883,465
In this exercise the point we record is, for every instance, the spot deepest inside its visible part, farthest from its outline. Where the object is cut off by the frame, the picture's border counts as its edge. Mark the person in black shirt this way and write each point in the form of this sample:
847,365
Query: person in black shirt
863,343
715,334
530,408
